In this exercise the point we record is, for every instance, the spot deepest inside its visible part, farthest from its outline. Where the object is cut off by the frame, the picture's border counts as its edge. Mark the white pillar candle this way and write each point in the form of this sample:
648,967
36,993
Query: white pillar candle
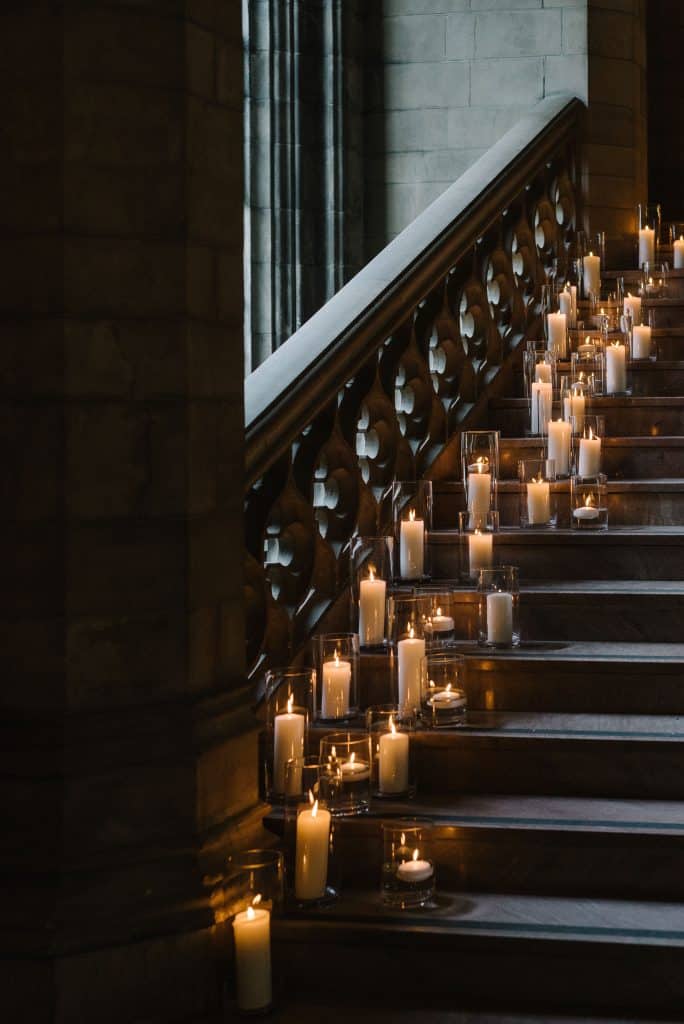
592,274
252,934
633,302
616,369
560,435
372,610
574,405
538,503
480,550
335,689
499,618
393,755
646,246
415,870
573,315
557,329
288,743
410,653
565,304
311,865
641,341
479,490
542,403
589,456
542,371
679,253
411,547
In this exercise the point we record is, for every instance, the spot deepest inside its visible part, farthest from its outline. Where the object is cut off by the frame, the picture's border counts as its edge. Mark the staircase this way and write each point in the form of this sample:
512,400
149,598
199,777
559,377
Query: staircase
559,807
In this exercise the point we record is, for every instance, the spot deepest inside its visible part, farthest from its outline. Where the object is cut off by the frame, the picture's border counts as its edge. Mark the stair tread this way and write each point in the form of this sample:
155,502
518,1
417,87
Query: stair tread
671,483
303,1011
562,725
651,401
513,916
583,651
616,534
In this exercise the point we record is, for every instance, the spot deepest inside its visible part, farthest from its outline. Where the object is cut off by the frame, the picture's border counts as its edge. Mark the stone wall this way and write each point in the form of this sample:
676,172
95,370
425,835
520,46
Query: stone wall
129,748
665,107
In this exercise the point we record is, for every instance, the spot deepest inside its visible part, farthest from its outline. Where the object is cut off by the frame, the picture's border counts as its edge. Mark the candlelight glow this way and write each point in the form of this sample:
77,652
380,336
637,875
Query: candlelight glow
412,515
256,900
371,572
439,611
616,344
314,809
393,727
337,659
591,433
403,839
448,687
411,633
416,853
250,913
289,705
311,796
482,462
589,501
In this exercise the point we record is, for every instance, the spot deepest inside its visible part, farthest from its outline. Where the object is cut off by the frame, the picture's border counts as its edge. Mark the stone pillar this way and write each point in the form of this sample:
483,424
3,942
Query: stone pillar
129,748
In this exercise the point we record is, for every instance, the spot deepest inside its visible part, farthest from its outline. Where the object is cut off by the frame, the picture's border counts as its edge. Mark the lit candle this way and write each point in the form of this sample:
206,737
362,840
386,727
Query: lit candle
574,405
313,840
446,698
411,547
679,253
252,934
641,341
646,246
288,743
587,348
573,316
372,609
479,490
592,274
499,618
616,369
415,870
541,406
335,691
588,510
565,303
560,436
353,770
480,548
538,502
589,455
633,303
410,653
542,371
393,757
557,327
441,623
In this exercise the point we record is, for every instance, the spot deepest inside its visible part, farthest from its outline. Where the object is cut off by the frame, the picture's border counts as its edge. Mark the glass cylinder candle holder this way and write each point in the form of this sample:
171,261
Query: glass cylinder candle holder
651,286
408,869
587,368
389,730
643,344
313,840
648,219
480,467
557,334
476,545
591,275
499,599
440,612
443,701
345,773
538,366
537,500
301,779
541,406
290,701
408,616
559,446
260,872
588,448
589,502
412,517
337,664
371,572
677,243
573,404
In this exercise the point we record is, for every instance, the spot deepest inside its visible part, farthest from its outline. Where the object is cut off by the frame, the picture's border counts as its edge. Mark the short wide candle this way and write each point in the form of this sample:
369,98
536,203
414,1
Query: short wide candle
252,934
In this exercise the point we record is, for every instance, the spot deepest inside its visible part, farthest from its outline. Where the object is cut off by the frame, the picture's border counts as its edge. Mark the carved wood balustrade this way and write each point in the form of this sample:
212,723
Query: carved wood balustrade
389,395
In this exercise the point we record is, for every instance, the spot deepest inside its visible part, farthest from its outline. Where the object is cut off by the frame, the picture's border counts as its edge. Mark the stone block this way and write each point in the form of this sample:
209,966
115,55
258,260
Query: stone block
32,276
506,83
426,84
575,39
33,560
566,74
214,464
416,129
201,281
229,287
229,82
200,69
506,5
518,34
213,217
210,143
615,161
33,647
608,191
416,37
33,197
611,34
460,37
31,118
117,201
610,125
214,354
471,128
395,7
31,449
614,82
226,779
32,358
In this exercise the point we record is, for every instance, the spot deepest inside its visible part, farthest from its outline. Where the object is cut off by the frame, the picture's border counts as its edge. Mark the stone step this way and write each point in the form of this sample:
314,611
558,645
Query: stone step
559,954
632,278
625,416
623,553
630,503
662,377
668,312
619,611
299,1008
670,342
578,676
526,844
622,458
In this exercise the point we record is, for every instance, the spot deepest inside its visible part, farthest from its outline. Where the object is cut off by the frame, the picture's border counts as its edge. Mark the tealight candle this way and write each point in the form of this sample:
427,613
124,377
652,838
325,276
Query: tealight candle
410,652
616,369
335,689
353,770
560,436
372,609
446,698
415,870
411,547
588,510
393,761
288,743
679,253
311,867
252,935
479,489
646,246
589,455
441,623
538,502
592,274
557,327
641,341
480,549
587,348
499,618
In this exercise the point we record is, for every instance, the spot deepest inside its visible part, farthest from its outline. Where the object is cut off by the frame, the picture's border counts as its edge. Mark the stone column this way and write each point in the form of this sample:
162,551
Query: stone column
129,748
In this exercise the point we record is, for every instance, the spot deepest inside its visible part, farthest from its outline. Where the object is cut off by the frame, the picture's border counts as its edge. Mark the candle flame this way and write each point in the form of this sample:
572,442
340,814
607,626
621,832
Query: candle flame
311,796
333,753
650,280
411,633
478,533
337,659
681,238
289,705
591,253
448,687
482,462
587,340
416,853
393,727
439,611
629,295
256,900
371,572
314,809
591,433
250,913
403,839
352,758
412,515
432,683
589,501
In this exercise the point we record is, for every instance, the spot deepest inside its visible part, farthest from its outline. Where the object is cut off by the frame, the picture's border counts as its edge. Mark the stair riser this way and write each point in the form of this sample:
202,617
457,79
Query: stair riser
570,557
633,508
670,315
646,379
626,461
621,421
494,684
670,346
448,969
